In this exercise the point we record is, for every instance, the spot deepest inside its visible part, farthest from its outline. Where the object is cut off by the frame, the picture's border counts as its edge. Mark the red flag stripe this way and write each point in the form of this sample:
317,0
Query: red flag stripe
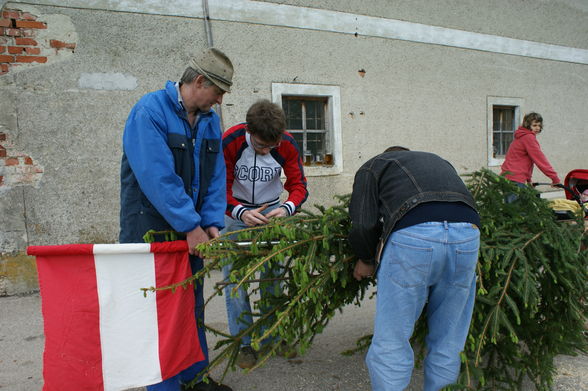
72,357
65,249
169,247
175,312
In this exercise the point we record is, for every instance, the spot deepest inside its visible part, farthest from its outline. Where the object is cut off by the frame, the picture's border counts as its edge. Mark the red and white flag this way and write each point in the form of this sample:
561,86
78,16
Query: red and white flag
101,333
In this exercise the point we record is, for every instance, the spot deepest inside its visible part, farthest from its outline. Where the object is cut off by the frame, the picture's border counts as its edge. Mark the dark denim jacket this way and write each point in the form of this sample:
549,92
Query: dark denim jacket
389,185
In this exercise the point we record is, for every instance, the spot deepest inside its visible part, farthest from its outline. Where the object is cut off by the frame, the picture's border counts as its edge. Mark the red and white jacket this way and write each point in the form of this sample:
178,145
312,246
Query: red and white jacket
254,179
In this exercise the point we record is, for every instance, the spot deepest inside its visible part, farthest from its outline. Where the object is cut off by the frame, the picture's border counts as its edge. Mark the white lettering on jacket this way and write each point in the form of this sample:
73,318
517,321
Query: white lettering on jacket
257,173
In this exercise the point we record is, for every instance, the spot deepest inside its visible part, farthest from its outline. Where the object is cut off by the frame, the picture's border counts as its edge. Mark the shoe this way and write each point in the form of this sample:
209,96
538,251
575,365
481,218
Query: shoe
247,358
210,386
286,351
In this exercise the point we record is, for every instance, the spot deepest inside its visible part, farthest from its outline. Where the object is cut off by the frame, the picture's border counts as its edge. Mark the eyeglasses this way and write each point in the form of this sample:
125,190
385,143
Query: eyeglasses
257,145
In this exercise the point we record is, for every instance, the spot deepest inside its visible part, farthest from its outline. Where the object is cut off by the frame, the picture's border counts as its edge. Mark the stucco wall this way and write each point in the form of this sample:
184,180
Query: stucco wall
67,115
559,22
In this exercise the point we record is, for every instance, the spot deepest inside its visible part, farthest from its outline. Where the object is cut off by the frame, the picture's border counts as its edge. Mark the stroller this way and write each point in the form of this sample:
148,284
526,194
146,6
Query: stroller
575,184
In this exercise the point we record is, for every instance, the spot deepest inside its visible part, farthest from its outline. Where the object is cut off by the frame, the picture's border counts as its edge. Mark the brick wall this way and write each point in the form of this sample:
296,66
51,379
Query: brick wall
16,168
18,43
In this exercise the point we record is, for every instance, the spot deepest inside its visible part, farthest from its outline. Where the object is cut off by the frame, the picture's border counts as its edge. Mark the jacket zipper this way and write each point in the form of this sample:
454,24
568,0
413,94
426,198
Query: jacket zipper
254,166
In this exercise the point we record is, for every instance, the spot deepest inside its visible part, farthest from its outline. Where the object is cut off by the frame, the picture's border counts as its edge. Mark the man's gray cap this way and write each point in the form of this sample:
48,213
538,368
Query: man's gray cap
215,66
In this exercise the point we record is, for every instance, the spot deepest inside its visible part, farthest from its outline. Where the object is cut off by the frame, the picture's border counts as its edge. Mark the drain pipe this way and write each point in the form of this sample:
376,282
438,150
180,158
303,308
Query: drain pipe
208,32
207,27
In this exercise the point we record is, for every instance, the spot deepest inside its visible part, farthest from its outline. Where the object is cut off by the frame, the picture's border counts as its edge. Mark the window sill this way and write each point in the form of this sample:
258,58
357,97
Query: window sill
317,170
495,162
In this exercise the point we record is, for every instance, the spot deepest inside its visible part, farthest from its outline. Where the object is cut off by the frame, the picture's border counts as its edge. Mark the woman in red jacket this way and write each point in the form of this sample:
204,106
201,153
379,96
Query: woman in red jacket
525,151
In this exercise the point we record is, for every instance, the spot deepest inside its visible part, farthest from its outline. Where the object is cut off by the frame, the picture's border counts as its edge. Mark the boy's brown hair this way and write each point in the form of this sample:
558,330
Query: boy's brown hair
266,120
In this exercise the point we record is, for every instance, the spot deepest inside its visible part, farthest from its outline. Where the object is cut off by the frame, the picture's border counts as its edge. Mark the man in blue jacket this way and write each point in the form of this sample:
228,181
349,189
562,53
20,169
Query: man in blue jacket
173,173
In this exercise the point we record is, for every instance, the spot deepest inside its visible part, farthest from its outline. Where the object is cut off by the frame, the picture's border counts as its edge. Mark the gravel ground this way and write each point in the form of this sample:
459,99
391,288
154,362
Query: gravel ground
322,368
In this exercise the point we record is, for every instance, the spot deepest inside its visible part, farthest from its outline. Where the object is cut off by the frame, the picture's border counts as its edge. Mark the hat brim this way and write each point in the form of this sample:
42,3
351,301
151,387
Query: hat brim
216,81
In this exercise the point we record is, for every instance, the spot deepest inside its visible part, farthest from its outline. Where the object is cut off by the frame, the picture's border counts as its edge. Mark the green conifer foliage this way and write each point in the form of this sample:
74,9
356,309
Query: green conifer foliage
532,289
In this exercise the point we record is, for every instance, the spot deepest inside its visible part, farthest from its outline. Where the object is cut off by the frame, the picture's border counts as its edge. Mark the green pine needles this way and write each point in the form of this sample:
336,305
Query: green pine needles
532,301
532,289
310,261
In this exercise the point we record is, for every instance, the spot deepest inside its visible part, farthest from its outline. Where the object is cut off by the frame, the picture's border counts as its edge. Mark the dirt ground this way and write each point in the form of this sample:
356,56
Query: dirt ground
322,368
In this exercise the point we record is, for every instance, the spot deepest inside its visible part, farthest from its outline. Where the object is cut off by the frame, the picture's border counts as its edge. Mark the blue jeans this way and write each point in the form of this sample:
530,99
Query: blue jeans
188,374
238,305
432,263
512,197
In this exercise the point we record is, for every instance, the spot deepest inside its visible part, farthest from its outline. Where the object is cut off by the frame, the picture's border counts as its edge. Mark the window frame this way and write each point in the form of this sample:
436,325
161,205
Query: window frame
493,101
333,141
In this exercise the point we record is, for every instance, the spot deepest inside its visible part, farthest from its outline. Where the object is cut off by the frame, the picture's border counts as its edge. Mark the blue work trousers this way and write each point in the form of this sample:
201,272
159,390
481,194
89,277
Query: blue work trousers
238,304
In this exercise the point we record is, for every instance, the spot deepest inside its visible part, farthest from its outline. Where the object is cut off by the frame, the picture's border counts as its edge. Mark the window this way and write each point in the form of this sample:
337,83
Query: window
305,119
503,127
313,118
503,119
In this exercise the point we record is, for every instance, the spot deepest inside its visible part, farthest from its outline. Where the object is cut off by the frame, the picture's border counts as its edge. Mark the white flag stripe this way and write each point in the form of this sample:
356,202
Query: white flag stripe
128,320
122,248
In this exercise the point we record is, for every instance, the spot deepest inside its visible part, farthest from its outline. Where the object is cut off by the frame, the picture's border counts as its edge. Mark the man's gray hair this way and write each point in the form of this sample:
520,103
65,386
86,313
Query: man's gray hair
190,74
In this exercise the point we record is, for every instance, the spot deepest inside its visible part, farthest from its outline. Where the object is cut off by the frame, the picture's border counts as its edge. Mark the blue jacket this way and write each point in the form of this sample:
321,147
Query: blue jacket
172,176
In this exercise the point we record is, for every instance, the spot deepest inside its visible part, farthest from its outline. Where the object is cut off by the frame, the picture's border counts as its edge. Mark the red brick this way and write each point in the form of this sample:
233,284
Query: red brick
3,68
1,30
5,23
11,14
2,49
15,49
2,151
2,137
5,58
1,180
11,161
33,50
54,43
28,16
25,41
28,161
30,59
30,25
12,32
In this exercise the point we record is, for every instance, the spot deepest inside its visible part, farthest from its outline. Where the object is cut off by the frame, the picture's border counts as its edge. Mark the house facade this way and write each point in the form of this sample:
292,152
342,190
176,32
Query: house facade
453,77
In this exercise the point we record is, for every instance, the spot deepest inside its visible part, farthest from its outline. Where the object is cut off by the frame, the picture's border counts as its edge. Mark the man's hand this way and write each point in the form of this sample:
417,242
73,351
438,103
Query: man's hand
253,217
212,232
195,237
363,270
278,212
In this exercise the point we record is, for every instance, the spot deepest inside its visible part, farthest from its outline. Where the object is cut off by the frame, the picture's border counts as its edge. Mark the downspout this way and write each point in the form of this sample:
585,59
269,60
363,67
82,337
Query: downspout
208,32
207,27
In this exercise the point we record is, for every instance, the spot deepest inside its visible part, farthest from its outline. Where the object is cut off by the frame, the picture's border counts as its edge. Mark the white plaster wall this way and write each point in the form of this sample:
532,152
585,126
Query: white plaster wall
425,96
559,22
